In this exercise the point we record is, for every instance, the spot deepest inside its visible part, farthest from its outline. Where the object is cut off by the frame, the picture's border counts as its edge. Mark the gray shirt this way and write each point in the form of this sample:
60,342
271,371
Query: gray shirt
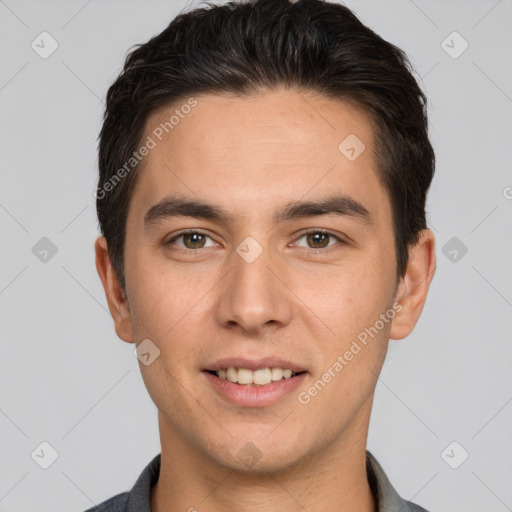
139,498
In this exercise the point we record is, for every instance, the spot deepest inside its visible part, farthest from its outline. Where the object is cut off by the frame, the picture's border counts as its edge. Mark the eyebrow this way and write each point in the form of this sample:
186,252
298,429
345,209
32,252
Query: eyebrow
181,207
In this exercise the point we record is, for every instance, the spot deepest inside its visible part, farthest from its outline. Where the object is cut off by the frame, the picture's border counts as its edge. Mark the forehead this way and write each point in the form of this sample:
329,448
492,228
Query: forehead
249,153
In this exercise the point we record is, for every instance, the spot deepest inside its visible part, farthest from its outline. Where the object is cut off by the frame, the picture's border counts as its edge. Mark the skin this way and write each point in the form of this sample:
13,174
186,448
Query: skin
252,155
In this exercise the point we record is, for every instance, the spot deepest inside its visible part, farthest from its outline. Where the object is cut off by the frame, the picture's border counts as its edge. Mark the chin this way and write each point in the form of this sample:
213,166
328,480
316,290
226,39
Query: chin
260,453
256,462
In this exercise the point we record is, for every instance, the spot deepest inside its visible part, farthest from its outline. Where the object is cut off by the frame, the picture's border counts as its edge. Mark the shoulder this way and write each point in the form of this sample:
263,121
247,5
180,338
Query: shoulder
386,497
138,499
117,503
412,507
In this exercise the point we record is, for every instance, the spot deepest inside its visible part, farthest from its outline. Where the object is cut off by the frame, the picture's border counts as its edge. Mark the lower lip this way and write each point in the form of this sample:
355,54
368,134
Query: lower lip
255,396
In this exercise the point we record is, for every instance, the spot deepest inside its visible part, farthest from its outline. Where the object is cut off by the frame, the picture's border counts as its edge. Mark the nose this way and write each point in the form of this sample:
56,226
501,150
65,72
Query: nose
254,296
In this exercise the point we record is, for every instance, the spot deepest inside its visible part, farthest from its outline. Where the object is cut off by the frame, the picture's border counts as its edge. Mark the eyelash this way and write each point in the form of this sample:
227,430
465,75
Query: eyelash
305,233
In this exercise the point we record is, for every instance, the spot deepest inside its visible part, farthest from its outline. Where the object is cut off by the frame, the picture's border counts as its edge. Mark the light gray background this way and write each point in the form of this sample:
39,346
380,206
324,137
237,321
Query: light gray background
68,380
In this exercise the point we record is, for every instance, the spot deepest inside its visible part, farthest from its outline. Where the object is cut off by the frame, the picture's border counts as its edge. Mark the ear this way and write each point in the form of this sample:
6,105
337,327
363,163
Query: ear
413,287
117,303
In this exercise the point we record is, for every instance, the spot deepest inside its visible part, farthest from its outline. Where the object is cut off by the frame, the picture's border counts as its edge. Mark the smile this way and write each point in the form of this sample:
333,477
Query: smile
258,377
260,387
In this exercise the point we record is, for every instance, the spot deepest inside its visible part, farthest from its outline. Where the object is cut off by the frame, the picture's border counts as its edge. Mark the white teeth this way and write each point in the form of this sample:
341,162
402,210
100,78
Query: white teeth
232,374
244,376
262,377
259,377
277,373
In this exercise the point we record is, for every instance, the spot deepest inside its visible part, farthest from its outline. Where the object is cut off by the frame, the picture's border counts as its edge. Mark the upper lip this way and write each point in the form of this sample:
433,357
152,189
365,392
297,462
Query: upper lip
254,364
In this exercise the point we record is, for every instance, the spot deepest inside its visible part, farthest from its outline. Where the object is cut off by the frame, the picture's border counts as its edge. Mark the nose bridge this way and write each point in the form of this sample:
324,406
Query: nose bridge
252,296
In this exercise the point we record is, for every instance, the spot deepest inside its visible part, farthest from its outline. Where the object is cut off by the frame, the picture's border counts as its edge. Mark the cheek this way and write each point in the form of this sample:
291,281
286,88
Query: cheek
170,306
349,298
353,354
159,296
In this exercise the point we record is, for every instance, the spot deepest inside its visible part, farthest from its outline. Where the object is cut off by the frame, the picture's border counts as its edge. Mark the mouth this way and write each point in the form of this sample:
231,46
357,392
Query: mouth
249,382
254,387
257,377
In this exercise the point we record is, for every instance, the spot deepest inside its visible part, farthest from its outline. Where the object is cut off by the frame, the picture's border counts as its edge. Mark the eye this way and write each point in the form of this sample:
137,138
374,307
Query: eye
318,239
191,240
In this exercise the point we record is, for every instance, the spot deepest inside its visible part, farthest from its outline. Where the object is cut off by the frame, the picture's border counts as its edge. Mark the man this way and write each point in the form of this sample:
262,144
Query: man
263,174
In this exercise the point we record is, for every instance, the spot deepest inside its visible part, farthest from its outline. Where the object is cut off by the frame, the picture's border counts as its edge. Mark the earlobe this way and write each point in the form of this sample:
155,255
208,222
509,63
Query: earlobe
117,302
413,287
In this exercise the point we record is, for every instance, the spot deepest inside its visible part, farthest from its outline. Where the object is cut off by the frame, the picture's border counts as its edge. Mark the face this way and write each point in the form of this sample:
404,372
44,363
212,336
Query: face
256,242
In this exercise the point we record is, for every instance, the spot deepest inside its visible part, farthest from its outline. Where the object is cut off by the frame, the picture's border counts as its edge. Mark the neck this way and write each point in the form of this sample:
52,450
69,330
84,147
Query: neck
333,479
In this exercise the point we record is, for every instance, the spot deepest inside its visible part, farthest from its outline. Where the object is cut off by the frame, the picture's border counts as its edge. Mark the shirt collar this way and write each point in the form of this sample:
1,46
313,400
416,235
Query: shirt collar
386,497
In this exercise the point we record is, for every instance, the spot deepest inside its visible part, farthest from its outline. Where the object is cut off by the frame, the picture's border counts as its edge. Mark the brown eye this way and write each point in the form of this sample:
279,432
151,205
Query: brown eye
318,239
196,240
190,240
